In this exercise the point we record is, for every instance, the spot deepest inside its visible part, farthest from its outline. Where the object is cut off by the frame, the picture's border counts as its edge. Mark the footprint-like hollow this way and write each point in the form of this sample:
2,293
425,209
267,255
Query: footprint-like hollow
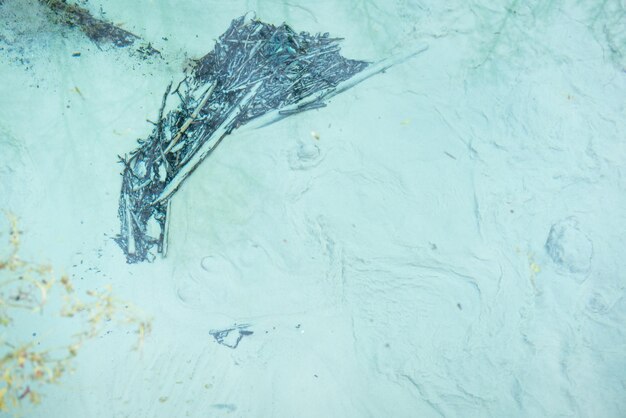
569,247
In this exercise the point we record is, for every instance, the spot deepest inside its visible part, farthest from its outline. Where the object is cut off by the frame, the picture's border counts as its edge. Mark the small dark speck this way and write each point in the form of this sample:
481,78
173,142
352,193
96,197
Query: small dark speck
458,305
76,54
298,326
315,375
512,211
387,345
164,38
34,334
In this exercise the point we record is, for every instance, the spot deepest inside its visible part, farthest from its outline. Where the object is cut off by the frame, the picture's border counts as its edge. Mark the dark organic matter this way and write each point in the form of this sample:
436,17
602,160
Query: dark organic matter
99,31
257,74
229,338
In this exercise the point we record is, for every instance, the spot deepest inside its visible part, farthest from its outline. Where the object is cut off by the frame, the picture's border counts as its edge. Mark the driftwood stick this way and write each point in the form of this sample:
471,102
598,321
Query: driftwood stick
166,229
191,118
376,68
130,244
163,103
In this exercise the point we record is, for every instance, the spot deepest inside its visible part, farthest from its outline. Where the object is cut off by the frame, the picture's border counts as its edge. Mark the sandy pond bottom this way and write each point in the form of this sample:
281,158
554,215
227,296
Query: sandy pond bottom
447,243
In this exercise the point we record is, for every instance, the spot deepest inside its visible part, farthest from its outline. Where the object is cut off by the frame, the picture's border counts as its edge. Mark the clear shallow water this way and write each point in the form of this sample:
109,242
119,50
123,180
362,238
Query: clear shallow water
449,246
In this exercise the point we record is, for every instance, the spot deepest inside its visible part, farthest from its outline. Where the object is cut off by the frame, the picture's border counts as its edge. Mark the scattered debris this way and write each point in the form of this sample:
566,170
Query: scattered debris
257,74
99,31
229,338
28,365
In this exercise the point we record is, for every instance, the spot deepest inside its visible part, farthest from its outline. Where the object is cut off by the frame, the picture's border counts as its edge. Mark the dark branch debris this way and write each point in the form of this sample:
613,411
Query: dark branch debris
255,69
99,31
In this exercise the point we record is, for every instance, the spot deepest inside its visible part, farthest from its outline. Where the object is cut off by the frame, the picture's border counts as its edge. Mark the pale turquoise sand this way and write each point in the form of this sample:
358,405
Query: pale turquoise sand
395,267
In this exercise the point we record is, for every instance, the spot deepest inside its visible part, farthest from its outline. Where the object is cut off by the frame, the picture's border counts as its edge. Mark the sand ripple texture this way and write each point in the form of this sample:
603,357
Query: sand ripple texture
444,240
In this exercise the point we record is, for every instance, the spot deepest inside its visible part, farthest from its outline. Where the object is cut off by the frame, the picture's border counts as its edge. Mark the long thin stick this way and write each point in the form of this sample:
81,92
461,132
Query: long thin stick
206,148
131,230
376,68
191,119
166,229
